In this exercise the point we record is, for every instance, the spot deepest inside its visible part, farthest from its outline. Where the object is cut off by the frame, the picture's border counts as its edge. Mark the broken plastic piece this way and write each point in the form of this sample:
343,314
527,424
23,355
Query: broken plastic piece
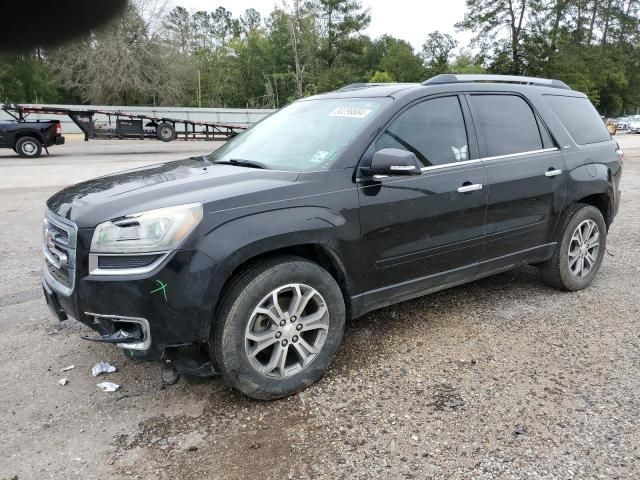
121,336
63,381
68,368
102,367
108,386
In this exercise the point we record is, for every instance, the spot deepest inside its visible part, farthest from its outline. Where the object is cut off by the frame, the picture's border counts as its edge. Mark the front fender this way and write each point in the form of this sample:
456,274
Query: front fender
234,242
237,241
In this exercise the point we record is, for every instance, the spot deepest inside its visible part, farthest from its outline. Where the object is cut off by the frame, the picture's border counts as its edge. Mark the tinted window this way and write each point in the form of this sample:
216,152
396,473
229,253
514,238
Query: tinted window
507,124
433,130
306,135
580,118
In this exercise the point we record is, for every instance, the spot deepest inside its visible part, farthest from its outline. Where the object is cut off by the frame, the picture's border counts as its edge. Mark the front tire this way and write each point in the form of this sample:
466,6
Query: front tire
279,327
579,254
28,147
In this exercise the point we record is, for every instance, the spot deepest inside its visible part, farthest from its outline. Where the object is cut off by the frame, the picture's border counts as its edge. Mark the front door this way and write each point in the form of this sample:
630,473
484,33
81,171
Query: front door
426,231
525,172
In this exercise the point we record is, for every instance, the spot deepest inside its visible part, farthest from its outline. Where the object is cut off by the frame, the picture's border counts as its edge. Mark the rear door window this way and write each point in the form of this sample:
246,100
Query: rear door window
506,124
433,130
580,118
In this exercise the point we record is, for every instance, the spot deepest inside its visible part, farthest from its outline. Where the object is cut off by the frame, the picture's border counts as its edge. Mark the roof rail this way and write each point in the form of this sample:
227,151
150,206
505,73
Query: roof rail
360,86
470,78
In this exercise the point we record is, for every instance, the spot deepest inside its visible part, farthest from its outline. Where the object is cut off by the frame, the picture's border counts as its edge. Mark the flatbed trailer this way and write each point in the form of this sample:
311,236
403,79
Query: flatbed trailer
123,125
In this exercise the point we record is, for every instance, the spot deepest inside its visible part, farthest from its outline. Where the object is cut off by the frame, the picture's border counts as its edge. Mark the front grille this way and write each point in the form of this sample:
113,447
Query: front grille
59,248
63,233
126,261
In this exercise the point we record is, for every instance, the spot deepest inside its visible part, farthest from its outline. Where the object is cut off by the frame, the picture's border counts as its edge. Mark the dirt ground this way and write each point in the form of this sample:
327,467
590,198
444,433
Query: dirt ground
501,378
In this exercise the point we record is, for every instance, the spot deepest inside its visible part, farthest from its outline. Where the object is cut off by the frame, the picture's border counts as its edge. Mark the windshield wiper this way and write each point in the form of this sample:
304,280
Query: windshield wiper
243,163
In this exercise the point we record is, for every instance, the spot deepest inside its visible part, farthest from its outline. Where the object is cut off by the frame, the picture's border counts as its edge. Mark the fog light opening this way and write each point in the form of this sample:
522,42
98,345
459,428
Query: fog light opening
128,333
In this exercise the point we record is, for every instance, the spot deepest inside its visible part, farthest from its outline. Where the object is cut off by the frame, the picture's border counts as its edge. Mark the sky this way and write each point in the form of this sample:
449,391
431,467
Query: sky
410,20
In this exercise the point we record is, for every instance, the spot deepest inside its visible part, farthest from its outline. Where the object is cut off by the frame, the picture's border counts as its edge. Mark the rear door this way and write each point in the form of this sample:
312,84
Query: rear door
423,231
525,175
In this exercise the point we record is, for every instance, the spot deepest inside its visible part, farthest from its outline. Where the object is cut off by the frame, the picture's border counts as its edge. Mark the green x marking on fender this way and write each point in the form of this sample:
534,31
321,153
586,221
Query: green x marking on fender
162,287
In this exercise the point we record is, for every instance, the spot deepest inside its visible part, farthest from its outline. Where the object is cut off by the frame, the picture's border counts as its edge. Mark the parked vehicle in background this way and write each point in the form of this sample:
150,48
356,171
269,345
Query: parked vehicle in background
249,261
28,139
634,124
623,123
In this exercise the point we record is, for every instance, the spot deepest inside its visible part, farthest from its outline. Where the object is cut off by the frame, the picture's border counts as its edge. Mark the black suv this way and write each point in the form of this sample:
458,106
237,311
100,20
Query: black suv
248,261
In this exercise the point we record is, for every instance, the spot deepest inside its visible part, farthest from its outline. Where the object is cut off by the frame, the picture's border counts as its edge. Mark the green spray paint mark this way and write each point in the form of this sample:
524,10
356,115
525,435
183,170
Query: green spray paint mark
162,287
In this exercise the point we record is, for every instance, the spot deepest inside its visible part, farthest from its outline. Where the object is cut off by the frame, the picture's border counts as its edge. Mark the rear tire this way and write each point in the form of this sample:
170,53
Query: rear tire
165,132
28,147
267,350
579,254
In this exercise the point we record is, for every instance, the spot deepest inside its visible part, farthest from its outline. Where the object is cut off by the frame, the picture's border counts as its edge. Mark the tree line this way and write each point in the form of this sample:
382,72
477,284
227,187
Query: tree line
154,56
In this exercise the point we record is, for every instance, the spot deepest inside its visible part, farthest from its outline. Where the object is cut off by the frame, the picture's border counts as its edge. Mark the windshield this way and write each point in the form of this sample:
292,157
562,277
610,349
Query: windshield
306,135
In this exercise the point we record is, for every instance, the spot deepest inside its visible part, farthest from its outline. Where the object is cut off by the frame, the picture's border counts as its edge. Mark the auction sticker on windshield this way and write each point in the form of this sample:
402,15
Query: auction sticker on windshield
350,112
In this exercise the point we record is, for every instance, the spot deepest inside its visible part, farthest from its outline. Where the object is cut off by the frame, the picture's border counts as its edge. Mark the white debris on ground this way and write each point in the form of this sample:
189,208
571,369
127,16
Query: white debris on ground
108,386
63,381
102,367
65,369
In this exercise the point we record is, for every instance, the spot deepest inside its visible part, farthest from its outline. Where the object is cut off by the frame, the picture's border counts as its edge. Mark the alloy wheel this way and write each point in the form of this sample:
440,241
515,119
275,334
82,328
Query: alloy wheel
286,330
584,248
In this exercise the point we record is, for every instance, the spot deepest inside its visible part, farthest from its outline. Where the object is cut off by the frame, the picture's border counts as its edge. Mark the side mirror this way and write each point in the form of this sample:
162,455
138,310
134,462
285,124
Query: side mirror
393,161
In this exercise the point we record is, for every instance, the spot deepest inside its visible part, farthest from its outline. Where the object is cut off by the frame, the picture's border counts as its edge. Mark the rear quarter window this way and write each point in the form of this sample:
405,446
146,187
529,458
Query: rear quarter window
580,118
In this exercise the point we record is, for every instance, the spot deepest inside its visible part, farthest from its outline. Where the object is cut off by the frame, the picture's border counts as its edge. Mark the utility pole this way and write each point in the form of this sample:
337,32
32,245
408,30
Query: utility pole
199,91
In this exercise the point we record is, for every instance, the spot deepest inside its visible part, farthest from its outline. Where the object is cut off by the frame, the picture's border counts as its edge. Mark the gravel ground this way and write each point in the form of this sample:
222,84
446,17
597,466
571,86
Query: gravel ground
501,378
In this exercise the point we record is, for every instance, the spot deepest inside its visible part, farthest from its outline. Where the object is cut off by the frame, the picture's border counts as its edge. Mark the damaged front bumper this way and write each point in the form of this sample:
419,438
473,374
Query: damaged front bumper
168,309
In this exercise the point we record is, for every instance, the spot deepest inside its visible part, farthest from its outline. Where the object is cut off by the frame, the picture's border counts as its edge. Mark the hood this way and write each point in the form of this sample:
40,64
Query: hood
162,185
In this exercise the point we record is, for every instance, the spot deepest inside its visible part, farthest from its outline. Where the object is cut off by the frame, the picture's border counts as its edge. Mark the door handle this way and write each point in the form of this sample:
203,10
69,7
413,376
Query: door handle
470,188
552,173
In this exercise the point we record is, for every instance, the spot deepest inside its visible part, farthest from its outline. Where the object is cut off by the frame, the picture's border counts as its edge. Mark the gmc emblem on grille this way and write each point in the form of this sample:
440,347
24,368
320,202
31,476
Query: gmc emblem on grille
59,256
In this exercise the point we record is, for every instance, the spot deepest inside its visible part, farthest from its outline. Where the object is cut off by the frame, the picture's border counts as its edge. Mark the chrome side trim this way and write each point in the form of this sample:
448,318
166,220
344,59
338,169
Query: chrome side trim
143,322
467,162
519,154
487,159
452,164
94,269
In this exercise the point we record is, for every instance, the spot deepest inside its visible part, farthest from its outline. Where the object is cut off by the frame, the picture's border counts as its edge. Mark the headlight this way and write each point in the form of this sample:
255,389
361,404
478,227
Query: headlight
152,231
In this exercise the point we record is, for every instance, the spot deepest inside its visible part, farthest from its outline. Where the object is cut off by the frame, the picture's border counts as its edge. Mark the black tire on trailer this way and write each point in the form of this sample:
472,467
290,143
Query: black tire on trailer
165,132
28,147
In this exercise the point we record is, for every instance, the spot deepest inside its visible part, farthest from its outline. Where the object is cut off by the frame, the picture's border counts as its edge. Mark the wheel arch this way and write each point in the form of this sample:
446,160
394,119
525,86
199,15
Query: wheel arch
318,253
318,234
593,185
27,133
603,202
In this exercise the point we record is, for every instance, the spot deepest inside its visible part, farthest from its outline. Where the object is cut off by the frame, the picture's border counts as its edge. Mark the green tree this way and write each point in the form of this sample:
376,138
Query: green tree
489,18
437,52
26,79
340,20
381,77
401,62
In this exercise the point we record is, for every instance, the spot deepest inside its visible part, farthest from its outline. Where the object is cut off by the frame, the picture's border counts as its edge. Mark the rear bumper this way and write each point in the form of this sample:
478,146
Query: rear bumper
177,315
59,141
